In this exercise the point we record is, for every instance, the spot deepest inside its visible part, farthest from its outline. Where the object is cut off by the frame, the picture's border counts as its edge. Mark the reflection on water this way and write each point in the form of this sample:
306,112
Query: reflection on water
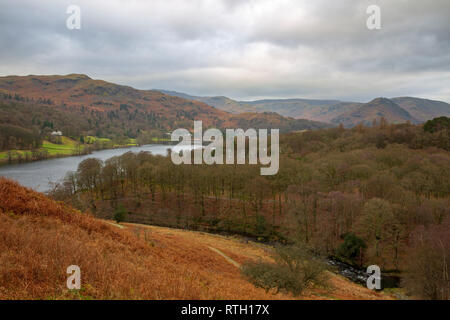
39,174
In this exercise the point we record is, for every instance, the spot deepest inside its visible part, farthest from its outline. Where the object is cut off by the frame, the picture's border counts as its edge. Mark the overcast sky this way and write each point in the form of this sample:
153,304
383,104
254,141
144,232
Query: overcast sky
241,49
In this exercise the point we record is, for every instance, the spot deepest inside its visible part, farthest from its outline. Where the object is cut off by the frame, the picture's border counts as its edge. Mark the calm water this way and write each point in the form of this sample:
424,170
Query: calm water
39,174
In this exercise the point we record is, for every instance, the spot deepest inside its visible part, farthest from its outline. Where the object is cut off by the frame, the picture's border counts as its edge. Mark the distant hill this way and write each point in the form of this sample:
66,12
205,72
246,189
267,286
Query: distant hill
317,110
78,91
374,110
423,109
77,104
219,102
331,111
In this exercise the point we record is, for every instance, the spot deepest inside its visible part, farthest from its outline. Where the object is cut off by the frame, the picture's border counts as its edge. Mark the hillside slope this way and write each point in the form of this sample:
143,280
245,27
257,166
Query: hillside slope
106,109
317,110
374,110
325,110
77,91
423,109
40,238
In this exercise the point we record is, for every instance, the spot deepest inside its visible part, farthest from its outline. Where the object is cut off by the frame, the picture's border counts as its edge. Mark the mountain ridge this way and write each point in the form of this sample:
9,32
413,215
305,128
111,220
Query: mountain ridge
165,110
327,110
372,111
109,105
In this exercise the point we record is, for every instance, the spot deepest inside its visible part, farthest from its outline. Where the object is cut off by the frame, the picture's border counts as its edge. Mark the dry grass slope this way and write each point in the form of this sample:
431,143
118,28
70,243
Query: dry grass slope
40,238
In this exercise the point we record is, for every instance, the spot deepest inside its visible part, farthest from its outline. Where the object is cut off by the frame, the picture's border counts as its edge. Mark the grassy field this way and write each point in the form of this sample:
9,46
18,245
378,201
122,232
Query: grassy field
132,142
68,147
4,154
92,139
161,139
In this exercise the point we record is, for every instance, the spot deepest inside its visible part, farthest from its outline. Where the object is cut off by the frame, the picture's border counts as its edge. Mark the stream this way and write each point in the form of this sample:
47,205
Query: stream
360,276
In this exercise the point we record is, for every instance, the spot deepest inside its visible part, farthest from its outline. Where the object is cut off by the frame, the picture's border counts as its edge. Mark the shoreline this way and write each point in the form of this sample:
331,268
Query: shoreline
6,162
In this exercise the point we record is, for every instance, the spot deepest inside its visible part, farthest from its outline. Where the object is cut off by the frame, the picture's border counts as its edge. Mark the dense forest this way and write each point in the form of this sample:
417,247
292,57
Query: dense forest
366,195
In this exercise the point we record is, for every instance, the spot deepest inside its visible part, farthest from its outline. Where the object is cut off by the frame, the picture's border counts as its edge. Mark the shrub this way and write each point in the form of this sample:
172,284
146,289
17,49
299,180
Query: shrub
120,214
294,270
351,248
437,124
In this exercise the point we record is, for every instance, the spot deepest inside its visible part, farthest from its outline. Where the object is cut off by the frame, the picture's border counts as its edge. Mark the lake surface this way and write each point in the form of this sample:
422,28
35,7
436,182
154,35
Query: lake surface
39,174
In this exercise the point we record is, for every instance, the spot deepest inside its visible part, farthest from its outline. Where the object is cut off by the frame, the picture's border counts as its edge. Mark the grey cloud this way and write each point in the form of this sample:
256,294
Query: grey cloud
243,49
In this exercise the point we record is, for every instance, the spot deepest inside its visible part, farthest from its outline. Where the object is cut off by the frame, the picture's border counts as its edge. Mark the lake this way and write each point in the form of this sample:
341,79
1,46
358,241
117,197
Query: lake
39,174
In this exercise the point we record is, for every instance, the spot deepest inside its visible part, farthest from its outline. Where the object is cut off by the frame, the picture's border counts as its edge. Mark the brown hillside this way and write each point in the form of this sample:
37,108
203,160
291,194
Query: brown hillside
146,109
76,90
423,109
374,110
324,110
40,238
